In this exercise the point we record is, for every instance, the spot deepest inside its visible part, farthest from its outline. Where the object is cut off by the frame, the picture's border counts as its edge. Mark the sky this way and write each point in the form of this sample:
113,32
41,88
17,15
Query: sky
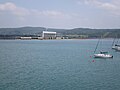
60,13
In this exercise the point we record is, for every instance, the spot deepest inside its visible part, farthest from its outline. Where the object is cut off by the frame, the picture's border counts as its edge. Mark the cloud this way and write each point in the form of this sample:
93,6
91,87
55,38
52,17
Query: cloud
22,12
104,5
7,6
113,6
19,16
51,14
12,8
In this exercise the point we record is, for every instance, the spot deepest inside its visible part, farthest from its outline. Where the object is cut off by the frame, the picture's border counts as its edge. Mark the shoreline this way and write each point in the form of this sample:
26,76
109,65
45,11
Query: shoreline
58,39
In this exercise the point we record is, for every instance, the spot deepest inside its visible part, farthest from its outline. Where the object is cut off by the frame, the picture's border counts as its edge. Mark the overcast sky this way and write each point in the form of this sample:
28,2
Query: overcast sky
60,13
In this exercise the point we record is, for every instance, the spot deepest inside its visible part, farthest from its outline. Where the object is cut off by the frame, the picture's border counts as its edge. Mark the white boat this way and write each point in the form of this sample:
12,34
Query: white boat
103,55
116,47
115,44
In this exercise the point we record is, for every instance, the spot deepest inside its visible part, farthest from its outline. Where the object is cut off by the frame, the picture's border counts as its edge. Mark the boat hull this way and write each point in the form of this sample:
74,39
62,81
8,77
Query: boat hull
103,56
113,47
118,49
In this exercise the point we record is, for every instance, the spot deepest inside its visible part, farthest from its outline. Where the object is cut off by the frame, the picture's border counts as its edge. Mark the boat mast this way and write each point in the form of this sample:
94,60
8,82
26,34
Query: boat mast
97,45
114,41
117,41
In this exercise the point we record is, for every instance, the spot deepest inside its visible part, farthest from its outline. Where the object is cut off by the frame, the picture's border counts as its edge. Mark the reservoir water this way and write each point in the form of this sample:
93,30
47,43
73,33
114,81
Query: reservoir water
57,65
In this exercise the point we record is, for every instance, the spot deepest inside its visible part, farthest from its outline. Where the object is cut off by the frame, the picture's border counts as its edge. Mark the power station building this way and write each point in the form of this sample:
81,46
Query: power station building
48,35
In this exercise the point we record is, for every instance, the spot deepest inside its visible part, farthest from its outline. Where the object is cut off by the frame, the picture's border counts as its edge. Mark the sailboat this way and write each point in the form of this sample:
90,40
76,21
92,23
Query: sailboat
102,54
116,46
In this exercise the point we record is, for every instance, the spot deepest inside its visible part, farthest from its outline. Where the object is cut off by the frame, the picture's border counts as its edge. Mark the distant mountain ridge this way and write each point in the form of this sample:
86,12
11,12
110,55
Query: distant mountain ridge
21,31
76,31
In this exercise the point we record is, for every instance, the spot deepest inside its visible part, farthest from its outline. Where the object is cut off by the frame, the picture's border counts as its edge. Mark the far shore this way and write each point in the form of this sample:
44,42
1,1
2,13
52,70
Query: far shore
58,39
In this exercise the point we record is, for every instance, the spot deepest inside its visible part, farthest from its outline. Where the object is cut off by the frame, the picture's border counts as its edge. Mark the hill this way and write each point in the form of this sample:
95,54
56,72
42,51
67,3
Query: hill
93,33
71,33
